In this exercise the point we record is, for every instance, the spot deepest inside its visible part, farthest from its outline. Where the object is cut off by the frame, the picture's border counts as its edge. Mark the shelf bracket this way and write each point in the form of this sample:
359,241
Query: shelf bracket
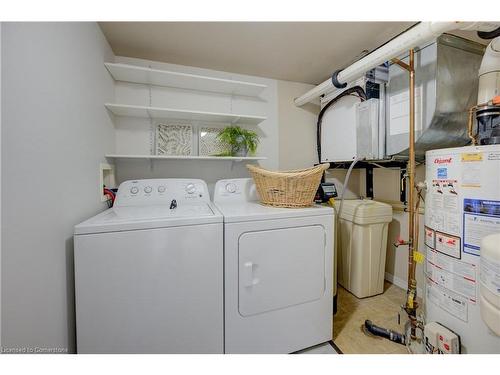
369,181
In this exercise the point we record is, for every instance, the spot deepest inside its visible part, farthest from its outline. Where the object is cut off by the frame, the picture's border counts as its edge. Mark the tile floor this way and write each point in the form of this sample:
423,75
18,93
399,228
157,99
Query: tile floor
352,312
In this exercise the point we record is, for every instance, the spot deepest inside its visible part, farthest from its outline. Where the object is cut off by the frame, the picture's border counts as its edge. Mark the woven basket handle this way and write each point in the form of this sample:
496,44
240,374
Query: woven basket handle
321,167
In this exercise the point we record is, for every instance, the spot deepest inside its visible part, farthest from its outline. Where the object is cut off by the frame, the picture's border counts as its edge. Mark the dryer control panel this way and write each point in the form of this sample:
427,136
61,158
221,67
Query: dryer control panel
235,190
161,191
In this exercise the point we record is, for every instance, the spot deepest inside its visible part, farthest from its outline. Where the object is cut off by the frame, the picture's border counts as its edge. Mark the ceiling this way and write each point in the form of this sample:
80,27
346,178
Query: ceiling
294,51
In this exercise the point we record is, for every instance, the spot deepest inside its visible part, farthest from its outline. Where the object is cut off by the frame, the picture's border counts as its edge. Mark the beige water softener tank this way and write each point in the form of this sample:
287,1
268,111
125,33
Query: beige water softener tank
362,246
489,276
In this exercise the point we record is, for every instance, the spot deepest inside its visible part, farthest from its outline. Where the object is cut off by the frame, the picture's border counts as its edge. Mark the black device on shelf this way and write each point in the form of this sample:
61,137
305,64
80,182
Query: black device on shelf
326,190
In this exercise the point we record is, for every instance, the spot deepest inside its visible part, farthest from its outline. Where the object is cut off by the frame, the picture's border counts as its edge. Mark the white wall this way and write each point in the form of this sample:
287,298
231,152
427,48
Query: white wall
297,127
1,25
55,131
133,134
297,136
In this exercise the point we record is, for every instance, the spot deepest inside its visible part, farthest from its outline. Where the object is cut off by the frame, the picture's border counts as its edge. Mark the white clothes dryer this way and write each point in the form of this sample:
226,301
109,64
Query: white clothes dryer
277,272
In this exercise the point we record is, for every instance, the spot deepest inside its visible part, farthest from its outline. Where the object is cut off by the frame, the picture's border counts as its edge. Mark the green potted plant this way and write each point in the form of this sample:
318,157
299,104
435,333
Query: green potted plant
240,141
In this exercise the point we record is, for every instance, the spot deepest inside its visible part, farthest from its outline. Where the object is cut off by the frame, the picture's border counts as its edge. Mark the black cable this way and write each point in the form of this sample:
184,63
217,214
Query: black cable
356,91
489,34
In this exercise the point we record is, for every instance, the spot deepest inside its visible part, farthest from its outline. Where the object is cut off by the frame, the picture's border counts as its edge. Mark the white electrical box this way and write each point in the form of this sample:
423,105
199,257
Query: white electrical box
350,129
440,340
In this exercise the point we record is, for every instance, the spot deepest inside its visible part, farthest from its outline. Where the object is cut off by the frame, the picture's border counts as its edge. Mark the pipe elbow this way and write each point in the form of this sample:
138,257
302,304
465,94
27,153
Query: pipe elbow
491,58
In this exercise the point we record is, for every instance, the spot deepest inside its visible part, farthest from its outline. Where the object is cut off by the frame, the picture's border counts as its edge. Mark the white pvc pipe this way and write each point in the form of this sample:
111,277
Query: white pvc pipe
417,35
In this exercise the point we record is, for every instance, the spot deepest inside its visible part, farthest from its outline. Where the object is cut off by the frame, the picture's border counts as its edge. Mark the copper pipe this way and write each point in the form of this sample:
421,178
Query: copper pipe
402,64
472,137
417,227
412,242
411,172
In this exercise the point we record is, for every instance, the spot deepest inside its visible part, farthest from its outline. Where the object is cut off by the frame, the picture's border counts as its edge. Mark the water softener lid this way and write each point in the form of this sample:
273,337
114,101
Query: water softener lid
365,211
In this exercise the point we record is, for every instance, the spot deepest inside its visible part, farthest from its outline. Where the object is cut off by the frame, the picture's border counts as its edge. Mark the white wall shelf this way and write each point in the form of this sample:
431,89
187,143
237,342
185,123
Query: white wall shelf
186,157
182,114
149,76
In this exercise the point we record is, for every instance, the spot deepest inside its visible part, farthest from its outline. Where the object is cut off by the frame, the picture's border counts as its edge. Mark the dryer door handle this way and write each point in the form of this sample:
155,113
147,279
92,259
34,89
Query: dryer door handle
248,274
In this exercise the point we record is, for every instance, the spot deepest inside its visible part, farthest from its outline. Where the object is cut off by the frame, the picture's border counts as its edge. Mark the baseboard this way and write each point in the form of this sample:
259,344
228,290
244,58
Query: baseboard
400,282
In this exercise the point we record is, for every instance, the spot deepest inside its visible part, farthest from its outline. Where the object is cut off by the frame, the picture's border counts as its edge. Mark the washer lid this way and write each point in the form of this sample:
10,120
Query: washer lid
146,217
251,211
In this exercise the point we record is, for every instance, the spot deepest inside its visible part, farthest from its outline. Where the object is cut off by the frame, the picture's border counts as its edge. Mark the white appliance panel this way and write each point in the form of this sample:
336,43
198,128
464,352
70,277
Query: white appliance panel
276,270
150,291
338,132
161,191
286,329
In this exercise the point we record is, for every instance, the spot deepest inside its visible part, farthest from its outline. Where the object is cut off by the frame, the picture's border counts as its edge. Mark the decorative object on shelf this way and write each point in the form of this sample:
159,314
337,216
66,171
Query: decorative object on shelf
210,144
174,139
240,141
295,188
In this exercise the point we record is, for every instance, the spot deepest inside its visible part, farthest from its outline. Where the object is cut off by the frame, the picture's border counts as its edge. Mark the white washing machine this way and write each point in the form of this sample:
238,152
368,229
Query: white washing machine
149,272
278,272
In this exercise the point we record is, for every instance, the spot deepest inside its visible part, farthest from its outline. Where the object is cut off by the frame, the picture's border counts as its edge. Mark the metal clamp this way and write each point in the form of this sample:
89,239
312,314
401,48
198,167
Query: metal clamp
336,82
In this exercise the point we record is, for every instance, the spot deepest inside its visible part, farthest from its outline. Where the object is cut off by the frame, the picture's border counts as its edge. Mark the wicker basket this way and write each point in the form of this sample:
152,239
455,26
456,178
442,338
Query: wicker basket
295,188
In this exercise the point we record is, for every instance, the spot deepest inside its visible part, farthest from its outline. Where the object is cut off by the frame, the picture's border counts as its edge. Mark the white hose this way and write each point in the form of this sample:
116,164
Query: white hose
339,212
346,181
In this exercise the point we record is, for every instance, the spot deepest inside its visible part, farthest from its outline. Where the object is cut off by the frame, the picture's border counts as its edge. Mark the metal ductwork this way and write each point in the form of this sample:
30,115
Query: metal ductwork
446,87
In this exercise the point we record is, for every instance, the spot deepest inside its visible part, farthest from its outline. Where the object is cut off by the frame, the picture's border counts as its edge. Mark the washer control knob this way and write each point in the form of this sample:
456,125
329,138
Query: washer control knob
161,189
190,188
148,189
230,187
134,190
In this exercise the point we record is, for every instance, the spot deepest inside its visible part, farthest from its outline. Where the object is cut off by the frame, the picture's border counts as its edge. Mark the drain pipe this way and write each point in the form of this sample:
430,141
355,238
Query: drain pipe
385,333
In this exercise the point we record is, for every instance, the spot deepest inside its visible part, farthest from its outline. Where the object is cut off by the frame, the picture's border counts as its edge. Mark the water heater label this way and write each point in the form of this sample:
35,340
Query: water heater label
455,266
444,216
481,218
494,156
442,173
430,237
472,156
451,281
451,302
449,245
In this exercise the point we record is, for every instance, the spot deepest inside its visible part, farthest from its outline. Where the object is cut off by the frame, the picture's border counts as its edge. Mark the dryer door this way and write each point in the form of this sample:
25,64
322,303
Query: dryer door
279,268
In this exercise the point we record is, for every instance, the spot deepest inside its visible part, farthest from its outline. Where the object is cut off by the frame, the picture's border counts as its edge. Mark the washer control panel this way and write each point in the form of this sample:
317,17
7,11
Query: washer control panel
235,190
161,191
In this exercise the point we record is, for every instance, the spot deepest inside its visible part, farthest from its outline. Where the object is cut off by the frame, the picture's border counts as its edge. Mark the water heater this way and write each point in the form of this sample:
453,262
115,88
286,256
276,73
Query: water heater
462,207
